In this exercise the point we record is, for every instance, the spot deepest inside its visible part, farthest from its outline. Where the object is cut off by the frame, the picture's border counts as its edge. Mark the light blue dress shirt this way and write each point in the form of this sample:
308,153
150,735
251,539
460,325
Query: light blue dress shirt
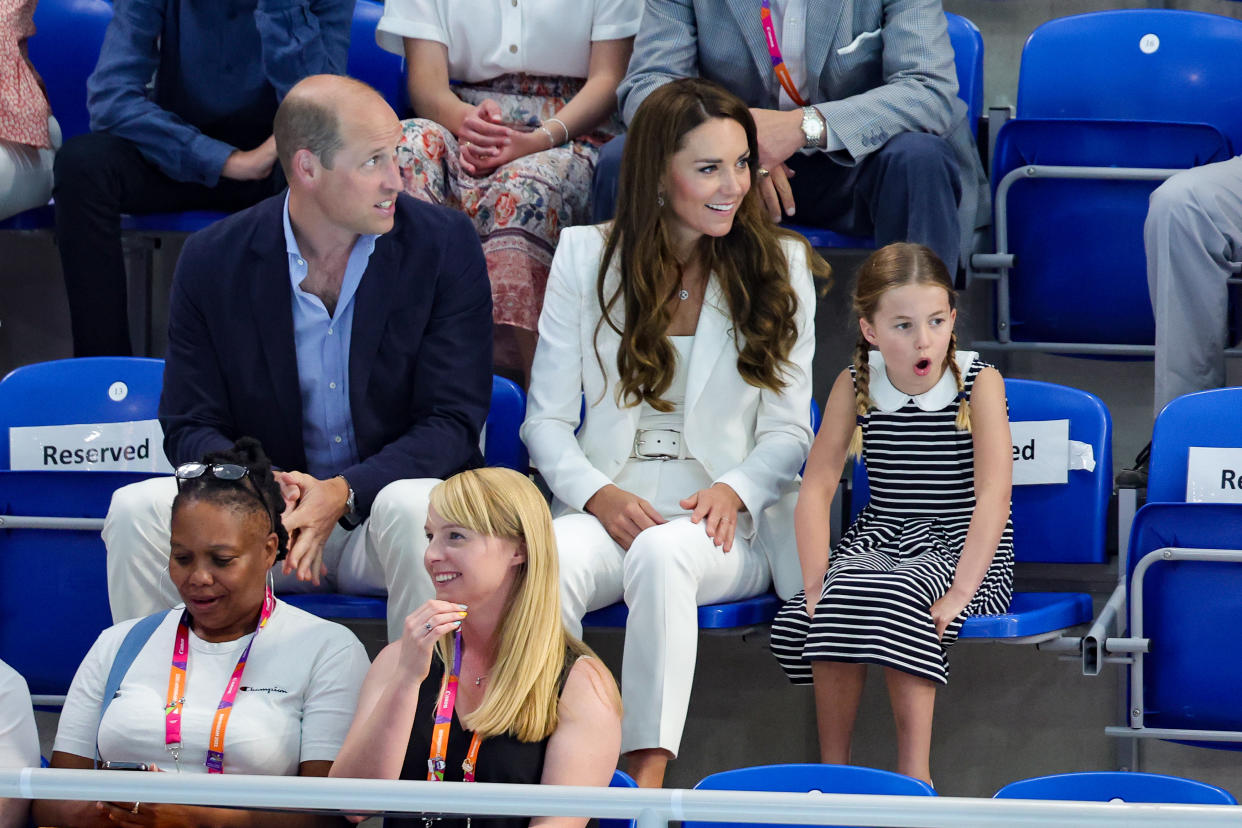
322,344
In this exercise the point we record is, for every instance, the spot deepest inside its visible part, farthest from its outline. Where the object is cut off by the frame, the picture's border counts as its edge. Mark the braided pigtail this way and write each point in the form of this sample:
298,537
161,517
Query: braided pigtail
862,395
963,402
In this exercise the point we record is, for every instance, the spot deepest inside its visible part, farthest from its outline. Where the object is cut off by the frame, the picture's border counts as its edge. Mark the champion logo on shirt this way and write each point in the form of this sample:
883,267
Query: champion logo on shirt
268,690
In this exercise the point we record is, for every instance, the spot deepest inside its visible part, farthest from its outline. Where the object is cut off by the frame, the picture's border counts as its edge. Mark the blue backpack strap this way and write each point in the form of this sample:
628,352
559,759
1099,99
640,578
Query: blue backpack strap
131,645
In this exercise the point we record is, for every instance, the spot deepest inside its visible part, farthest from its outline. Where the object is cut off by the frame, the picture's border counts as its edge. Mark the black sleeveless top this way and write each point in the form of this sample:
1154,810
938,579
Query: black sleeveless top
501,758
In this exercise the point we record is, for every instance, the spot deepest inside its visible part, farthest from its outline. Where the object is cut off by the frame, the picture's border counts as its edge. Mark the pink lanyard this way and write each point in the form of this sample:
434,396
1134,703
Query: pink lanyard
774,49
444,719
177,681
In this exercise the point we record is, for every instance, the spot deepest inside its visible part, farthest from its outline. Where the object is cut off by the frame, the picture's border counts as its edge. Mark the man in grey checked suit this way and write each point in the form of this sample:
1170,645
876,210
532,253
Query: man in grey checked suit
1193,235
885,146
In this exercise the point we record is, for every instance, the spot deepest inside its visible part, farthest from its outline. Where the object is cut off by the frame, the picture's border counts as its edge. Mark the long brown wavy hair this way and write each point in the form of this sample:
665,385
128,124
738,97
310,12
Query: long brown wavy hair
748,261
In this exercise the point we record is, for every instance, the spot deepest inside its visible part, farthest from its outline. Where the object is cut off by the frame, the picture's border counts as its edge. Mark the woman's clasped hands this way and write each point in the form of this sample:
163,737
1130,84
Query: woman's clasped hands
486,142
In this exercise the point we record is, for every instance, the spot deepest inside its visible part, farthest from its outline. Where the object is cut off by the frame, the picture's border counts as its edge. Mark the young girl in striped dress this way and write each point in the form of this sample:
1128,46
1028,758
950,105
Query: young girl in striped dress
934,544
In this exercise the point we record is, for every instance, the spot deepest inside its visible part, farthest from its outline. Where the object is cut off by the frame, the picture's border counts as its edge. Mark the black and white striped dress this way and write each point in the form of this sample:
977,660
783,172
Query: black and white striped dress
899,556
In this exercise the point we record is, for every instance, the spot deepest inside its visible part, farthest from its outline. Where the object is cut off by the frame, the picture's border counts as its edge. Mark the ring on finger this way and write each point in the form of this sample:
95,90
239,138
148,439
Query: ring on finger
134,809
427,626
763,173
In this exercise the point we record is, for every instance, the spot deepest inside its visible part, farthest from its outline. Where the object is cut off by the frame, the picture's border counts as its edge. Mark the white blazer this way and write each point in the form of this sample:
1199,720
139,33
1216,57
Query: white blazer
753,439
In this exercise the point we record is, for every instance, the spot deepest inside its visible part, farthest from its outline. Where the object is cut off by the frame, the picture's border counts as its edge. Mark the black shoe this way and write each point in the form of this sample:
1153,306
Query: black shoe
1135,477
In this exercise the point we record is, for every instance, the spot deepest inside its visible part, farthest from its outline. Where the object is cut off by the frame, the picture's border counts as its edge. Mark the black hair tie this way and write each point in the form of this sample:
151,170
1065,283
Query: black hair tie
962,396
861,419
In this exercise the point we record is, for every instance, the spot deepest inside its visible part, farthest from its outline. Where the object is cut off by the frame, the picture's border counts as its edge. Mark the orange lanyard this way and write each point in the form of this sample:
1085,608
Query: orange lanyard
774,50
444,719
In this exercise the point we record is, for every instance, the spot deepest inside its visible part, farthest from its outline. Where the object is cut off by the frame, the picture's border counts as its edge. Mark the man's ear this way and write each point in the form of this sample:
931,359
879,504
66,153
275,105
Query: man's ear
305,165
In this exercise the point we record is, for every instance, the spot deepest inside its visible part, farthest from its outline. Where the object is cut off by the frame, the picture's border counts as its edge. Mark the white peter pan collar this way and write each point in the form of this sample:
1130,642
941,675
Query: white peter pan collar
888,398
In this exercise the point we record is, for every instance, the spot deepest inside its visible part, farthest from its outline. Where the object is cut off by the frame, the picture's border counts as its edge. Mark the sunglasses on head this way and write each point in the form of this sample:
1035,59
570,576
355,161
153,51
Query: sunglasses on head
230,472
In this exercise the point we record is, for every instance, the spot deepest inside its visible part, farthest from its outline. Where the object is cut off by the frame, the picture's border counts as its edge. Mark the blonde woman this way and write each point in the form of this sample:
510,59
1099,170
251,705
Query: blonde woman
523,701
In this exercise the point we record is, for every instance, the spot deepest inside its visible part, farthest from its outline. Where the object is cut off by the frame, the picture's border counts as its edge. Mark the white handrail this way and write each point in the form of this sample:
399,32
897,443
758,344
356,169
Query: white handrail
650,807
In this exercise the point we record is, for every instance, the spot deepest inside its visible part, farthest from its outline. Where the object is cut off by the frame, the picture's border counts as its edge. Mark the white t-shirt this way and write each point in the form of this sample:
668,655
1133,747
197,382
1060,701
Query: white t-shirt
490,38
19,740
297,697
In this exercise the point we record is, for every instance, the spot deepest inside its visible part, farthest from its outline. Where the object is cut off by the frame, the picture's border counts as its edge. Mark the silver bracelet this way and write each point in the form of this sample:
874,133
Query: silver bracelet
545,131
562,123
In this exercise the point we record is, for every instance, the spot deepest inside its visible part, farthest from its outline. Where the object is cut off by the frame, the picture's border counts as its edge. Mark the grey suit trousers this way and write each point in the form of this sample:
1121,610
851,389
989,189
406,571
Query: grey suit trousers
1192,236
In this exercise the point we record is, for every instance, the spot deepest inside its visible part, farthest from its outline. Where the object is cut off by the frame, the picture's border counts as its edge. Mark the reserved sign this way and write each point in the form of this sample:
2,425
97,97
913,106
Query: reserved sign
1214,475
128,446
1041,452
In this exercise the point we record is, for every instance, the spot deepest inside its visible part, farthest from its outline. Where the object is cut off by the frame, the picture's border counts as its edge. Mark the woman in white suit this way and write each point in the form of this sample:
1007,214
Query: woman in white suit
687,324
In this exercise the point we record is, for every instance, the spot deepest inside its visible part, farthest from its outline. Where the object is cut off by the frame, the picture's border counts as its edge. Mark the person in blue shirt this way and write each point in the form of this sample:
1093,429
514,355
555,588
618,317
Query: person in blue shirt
181,105
348,328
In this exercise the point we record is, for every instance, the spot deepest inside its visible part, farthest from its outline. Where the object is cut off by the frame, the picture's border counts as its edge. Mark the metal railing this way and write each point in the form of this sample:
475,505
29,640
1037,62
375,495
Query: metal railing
651,808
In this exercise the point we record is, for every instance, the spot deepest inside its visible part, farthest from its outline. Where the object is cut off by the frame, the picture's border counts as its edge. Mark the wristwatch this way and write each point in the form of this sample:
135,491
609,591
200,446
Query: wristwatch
350,519
814,129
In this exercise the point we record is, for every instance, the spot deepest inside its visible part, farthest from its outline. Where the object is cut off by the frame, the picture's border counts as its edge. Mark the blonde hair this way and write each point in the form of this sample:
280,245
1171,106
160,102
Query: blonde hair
892,266
524,688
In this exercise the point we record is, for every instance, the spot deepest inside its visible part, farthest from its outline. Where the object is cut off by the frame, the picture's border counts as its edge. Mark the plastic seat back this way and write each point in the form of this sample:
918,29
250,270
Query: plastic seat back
1113,785
1192,611
620,779
1211,419
1059,523
502,446
1135,64
368,62
78,391
967,43
53,593
809,778
1080,265
64,49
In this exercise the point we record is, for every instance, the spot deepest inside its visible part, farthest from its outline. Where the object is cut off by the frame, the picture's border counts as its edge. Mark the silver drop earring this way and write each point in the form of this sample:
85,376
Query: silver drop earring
660,200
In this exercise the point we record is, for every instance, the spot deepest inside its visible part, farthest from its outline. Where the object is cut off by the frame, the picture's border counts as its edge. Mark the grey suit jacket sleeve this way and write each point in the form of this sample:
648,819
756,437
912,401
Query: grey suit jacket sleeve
665,49
912,55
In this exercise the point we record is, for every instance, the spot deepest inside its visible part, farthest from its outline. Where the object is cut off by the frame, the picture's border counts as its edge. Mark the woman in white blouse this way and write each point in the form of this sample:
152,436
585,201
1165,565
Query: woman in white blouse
687,326
514,139
175,707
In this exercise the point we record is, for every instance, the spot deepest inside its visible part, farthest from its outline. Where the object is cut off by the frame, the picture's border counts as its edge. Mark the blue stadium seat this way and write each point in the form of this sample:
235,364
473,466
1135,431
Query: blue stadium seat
73,391
501,447
51,554
368,62
1109,105
1057,523
1184,587
968,61
1112,786
809,778
620,779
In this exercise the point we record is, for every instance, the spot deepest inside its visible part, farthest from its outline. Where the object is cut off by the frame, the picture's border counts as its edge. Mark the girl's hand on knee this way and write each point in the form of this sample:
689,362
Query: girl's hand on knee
716,508
950,606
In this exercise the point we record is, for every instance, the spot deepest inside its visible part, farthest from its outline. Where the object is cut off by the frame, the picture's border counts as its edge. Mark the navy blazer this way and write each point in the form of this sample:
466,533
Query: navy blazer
420,355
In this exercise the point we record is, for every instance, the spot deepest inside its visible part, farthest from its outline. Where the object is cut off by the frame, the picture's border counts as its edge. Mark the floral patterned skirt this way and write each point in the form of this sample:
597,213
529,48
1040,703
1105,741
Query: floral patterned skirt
520,207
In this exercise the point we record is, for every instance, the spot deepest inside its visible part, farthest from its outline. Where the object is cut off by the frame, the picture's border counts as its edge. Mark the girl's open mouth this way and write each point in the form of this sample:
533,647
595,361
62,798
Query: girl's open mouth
922,367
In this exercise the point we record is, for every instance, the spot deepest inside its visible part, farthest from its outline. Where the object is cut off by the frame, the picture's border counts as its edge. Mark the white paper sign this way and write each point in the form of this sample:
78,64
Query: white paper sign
1214,475
1041,451
129,446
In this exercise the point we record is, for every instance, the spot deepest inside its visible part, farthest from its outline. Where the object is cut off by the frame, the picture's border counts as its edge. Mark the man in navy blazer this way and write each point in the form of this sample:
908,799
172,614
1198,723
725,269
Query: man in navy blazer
346,326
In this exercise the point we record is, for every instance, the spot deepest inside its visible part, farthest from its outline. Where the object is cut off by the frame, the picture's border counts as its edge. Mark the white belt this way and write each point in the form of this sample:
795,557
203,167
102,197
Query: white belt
658,444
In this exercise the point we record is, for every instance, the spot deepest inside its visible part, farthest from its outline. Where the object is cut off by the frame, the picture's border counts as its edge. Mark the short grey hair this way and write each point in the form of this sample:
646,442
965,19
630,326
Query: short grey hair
305,123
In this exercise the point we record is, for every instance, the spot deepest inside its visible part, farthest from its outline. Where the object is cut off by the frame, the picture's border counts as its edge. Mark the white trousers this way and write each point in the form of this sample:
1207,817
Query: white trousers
667,573
383,555
1192,235
26,174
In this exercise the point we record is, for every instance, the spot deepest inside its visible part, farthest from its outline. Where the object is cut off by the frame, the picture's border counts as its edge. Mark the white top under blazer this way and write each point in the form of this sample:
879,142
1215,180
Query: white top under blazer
755,440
